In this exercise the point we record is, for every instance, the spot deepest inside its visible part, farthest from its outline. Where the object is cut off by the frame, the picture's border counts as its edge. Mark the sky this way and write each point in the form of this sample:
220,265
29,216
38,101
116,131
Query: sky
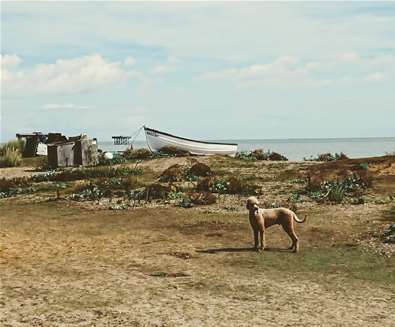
256,70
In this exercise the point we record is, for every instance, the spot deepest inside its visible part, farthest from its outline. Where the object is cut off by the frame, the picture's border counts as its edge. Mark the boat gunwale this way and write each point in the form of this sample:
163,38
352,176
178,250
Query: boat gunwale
186,139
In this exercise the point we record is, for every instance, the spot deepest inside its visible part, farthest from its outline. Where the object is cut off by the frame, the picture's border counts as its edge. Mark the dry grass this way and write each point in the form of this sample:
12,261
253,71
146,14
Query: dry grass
65,265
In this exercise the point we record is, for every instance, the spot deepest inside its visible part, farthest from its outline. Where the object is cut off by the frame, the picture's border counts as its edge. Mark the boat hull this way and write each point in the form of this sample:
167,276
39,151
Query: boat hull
157,140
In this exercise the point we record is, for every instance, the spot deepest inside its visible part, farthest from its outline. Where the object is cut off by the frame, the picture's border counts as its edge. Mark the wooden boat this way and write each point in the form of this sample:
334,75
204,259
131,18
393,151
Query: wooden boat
157,140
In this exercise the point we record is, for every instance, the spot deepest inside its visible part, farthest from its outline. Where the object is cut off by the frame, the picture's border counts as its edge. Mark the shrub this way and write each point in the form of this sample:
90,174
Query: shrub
11,158
277,157
259,154
203,198
200,169
232,185
156,191
10,187
245,155
325,157
86,173
174,173
173,151
88,192
139,154
13,144
131,183
336,193
335,190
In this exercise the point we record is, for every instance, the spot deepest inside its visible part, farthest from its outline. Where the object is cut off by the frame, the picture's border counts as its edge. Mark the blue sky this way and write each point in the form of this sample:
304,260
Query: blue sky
202,70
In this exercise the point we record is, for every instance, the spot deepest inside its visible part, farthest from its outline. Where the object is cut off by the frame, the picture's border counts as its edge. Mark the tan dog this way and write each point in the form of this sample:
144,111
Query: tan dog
260,219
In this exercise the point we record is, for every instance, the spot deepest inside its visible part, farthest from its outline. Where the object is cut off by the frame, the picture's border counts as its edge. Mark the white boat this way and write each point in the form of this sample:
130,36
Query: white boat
157,140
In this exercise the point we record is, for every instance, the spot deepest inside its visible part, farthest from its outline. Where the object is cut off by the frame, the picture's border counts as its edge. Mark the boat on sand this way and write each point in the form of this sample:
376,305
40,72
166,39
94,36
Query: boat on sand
158,140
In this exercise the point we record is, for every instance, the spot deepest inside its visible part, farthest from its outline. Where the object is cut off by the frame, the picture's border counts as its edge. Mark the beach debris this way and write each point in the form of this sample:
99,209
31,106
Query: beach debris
108,155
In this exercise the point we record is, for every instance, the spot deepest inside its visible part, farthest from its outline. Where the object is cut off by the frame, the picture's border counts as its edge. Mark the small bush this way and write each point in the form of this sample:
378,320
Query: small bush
86,173
203,198
139,154
200,169
10,187
11,158
335,190
131,183
13,144
232,185
274,156
325,157
88,192
259,154
245,155
156,191
173,151
174,173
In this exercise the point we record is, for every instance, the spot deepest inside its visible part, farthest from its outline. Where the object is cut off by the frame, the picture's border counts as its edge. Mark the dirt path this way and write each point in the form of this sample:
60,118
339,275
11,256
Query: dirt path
64,266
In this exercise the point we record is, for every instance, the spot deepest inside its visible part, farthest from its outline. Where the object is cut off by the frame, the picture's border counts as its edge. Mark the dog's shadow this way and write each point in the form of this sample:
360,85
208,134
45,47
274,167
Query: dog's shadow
242,249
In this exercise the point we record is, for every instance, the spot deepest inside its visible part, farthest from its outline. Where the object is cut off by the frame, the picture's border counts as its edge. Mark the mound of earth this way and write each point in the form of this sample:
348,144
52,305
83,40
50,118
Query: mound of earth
377,171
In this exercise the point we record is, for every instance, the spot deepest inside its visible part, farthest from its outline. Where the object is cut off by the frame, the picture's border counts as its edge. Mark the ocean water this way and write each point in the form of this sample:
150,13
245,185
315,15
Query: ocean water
297,149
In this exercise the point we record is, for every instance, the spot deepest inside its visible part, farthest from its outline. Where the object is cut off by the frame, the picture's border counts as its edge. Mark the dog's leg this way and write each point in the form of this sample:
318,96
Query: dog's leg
261,229
256,240
291,233
263,240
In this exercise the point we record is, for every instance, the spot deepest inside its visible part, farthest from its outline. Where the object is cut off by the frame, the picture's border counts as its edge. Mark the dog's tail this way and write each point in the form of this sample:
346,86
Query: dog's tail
300,221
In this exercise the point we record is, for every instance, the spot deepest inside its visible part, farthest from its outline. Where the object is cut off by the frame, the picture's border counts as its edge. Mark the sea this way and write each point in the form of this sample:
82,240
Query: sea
298,149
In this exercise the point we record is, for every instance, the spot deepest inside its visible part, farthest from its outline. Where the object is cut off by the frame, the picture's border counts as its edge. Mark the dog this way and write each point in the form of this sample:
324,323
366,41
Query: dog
260,219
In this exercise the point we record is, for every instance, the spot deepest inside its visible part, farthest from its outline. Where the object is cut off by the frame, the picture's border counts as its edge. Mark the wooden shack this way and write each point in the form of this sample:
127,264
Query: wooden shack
34,144
76,151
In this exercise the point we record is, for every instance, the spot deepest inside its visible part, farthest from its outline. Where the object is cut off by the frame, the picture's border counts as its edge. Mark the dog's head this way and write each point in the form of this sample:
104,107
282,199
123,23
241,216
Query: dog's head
252,203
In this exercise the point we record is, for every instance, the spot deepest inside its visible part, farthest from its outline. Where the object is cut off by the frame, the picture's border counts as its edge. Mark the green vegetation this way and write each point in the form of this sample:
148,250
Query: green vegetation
86,173
351,263
11,158
335,190
13,144
327,157
260,154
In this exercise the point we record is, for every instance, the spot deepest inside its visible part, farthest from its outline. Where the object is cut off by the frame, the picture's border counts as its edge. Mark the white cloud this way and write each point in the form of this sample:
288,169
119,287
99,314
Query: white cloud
348,57
8,61
65,76
345,68
57,106
376,77
283,68
129,61
170,65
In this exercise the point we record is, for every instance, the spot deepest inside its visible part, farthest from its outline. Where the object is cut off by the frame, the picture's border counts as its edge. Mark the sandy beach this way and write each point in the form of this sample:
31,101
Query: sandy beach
78,263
